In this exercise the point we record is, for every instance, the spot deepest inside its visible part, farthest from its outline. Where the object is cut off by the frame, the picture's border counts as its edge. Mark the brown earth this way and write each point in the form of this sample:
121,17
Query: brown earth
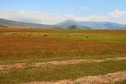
100,79
40,64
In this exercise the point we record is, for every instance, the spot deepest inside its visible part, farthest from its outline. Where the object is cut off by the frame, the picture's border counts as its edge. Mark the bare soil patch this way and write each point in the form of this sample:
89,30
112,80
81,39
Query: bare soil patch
78,61
8,33
40,64
100,79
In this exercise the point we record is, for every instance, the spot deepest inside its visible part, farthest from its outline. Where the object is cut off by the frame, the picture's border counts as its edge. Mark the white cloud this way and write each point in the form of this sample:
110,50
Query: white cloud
90,18
43,18
117,14
84,8
34,17
95,18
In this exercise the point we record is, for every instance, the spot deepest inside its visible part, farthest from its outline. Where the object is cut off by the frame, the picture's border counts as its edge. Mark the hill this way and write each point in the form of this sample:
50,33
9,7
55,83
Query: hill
102,25
123,28
68,24
92,25
15,24
71,24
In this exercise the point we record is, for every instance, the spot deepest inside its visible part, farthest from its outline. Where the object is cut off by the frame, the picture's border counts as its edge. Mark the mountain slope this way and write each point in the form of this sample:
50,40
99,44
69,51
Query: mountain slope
71,24
122,28
102,25
68,24
92,25
15,24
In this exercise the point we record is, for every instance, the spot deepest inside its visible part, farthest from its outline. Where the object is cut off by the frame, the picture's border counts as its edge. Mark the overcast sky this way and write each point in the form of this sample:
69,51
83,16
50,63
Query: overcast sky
55,11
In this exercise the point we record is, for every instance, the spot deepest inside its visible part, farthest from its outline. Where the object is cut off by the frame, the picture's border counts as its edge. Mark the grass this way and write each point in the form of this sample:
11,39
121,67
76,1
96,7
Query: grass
16,47
30,45
121,82
1,33
102,35
20,47
61,72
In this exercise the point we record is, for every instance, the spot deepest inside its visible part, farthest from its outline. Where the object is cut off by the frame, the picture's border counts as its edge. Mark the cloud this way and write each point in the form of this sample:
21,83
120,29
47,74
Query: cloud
43,18
89,18
32,17
84,8
117,14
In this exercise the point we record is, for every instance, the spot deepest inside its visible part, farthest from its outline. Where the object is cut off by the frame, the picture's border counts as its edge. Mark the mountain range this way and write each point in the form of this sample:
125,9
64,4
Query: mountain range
16,24
71,24
93,25
68,24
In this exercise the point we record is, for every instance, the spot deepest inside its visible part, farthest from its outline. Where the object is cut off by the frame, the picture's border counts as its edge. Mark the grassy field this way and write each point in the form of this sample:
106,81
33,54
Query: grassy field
44,45
60,72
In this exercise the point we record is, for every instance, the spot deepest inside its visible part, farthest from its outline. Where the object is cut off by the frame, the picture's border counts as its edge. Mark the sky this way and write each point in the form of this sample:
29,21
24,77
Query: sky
56,11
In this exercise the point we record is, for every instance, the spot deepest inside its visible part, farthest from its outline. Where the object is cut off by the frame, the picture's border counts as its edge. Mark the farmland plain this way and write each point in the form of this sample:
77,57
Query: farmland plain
22,48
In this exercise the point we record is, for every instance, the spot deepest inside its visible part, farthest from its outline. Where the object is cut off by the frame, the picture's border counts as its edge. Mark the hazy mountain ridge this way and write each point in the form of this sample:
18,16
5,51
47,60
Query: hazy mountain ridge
102,25
71,24
123,28
93,25
68,24
15,24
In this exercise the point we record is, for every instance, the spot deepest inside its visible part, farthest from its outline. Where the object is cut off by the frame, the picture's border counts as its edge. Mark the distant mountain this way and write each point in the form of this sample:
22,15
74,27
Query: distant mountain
92,25
77,27
68,24
122,28
102,25
71,24
15,24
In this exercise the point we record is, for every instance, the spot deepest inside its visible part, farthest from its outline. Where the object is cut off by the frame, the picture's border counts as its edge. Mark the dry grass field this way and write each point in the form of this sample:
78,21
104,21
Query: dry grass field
41,56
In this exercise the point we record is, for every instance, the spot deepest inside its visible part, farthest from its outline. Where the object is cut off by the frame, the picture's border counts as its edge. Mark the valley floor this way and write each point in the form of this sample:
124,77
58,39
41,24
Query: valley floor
43,56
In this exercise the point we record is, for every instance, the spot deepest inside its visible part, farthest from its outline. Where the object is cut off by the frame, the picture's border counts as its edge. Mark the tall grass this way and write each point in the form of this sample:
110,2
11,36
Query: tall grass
21,47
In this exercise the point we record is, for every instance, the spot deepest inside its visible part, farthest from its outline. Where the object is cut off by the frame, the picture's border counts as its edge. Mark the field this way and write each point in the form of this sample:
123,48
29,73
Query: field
49,56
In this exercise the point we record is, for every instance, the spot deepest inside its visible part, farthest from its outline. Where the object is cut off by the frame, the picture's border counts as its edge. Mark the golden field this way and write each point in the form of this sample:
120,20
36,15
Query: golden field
31,46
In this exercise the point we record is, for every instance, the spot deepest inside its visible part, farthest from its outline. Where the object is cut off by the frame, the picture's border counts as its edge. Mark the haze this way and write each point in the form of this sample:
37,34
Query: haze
55,11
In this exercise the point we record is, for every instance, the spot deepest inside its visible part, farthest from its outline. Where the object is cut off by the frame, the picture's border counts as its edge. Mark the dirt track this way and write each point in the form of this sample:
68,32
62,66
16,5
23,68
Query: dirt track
40,64
100,79
8,33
